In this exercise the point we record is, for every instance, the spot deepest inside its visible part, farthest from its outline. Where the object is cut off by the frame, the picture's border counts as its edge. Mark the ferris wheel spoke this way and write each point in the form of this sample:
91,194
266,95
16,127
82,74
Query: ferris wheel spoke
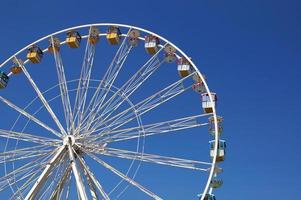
22,155
43,177
28,137
81,191
51,179
19,171
15,155
124,177
27,177
29,116
22,172
132,84
84,80
9,183
68,187
63,85
144,106
13,152
109,78
151,129
21,191
41,97
87,178
92,181
128,88
60,185
54,177
156,159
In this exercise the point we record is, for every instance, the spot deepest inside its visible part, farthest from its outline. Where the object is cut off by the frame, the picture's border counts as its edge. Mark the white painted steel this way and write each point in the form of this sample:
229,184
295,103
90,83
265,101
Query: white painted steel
39,183
81,191
80,187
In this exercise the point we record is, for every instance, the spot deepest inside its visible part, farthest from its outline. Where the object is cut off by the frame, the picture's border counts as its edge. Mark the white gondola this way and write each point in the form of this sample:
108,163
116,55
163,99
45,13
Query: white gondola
151,44
212,125
221,150
184,68
207,104
134,37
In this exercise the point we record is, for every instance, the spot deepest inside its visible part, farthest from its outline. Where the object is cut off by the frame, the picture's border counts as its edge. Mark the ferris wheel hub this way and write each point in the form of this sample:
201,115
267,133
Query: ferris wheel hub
69,139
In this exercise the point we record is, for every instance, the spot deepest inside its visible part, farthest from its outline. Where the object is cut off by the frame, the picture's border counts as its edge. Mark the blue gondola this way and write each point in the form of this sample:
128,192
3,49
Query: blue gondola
3,80
221,150
216,183
207,197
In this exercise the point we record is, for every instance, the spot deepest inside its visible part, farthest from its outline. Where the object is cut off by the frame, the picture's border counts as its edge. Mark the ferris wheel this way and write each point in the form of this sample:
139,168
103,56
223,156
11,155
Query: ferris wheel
125,118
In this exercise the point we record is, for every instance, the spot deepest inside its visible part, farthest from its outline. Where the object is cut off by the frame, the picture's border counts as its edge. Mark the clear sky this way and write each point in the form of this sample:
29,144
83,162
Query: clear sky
250,53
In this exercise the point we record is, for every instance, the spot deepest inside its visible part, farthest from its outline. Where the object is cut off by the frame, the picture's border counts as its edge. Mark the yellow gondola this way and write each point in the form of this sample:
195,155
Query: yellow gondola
73,39
35,54
113,35
15,69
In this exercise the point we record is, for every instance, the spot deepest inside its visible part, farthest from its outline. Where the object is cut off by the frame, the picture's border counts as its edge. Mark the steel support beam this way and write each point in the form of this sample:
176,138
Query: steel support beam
43,177
79,183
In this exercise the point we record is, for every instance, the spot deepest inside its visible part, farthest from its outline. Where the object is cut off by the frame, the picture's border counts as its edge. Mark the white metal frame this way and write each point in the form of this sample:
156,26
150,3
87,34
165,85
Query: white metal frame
70,146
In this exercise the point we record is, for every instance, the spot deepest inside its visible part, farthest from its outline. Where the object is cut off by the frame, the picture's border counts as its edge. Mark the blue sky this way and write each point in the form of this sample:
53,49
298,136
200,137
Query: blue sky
250,53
